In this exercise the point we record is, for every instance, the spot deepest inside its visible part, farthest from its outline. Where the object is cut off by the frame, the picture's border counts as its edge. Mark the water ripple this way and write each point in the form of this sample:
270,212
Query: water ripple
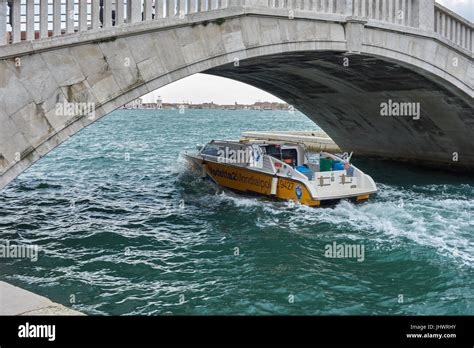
123,227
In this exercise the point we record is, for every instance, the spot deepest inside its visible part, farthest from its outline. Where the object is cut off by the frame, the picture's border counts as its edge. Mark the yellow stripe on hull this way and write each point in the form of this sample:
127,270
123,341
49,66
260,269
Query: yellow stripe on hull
288,189
245,180
239,178
363,198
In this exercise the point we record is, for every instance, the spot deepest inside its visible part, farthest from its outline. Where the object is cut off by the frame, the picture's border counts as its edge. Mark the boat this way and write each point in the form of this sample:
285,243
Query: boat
281,170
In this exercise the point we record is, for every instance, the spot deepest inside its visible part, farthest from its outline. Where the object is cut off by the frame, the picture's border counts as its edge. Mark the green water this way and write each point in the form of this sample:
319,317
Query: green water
123,228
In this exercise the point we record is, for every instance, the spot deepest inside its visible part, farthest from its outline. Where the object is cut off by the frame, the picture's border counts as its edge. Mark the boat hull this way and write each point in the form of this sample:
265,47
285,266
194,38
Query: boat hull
281,171
251,181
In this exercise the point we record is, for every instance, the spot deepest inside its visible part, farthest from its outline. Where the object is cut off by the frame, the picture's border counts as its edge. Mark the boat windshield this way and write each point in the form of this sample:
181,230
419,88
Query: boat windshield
211,150
274,151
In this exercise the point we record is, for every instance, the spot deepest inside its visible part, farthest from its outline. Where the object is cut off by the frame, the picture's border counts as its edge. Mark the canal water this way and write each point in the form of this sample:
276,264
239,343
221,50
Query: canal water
124,229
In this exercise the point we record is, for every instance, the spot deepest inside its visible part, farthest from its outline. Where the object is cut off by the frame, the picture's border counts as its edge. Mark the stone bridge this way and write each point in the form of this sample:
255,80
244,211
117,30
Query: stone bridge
351,66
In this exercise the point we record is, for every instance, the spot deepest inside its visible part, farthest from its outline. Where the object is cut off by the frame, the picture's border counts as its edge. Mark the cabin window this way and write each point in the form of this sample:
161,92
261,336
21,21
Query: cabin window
212,150
274,151
290,156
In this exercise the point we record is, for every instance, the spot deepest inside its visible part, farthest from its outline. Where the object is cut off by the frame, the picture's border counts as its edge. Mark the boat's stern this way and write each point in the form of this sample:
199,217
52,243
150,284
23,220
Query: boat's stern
349,183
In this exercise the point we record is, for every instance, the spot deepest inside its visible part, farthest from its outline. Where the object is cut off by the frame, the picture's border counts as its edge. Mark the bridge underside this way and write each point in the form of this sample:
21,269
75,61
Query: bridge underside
343,94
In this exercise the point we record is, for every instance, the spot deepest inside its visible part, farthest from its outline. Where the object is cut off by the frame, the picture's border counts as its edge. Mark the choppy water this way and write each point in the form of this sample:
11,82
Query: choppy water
126,230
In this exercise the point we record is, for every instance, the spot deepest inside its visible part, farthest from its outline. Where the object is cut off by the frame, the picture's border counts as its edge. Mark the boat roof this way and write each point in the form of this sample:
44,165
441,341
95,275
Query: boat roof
275,142
258,142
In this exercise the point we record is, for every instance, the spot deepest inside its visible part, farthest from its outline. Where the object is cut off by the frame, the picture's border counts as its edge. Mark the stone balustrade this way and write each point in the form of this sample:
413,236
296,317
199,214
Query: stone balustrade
25,20
454,28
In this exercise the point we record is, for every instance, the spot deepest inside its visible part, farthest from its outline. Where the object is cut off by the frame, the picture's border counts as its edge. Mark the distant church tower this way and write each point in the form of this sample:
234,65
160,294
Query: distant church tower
159,103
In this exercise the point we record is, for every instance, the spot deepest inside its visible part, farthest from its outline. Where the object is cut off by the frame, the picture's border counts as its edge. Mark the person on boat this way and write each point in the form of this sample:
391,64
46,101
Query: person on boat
349,169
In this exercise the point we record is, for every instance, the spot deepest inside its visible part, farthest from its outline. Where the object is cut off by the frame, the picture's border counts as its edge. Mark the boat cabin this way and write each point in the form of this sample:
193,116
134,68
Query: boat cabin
290,154
293,155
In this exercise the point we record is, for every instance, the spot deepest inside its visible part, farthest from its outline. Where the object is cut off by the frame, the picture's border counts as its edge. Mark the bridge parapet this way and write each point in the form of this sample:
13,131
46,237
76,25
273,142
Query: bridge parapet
454,28
27,20
401,12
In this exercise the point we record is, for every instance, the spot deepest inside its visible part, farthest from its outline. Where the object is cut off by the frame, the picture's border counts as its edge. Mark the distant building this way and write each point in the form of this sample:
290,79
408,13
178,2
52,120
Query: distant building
169,106
263,106
134,104
138,104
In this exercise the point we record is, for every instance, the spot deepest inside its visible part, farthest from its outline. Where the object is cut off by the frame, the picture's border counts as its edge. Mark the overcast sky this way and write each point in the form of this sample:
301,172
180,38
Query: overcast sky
202,88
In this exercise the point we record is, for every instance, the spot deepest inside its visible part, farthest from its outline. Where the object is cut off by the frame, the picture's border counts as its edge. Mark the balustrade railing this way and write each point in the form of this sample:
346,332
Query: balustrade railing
454,28
38,19
26,20
392,11
319,6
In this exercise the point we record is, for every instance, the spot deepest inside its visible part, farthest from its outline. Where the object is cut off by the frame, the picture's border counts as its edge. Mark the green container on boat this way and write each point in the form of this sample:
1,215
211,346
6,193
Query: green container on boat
325,164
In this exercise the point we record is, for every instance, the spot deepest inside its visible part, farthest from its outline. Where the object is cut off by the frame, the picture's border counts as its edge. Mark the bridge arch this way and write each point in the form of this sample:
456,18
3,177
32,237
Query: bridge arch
114,67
